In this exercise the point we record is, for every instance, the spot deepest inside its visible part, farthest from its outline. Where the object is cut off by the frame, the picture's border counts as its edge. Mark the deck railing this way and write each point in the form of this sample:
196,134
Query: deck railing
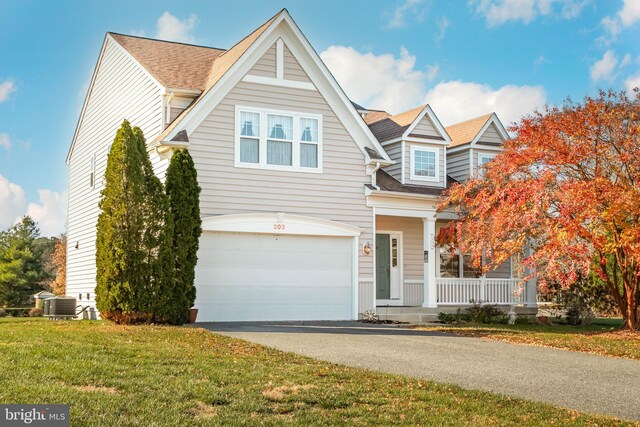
456,291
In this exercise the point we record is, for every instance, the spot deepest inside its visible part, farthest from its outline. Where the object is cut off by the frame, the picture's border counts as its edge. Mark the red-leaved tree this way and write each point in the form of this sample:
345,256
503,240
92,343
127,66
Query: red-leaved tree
568,185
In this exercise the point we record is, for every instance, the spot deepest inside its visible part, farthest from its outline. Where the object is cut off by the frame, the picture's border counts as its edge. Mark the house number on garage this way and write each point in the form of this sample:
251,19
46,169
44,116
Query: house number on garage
278,226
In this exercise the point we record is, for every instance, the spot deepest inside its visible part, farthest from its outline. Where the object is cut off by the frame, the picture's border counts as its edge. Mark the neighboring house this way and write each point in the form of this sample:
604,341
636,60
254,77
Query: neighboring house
313,207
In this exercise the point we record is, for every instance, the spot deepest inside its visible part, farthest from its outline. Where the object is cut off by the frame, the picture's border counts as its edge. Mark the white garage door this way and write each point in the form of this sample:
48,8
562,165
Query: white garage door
254,277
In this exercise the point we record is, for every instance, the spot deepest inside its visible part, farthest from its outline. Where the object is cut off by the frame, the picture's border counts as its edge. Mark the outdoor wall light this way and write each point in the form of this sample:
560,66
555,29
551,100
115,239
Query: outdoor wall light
366,248
77,245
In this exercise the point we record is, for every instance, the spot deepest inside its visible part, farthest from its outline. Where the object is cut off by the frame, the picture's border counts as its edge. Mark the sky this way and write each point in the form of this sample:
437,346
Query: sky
463,57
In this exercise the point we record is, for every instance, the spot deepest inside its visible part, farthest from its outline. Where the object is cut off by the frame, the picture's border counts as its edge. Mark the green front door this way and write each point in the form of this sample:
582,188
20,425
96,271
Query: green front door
383,276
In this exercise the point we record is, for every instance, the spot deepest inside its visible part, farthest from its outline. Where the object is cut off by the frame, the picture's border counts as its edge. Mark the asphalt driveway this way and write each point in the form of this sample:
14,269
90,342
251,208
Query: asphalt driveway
573,380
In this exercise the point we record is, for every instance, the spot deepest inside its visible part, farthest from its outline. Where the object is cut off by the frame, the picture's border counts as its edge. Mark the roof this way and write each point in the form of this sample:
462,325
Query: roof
172,64
464,132
388,183
385,126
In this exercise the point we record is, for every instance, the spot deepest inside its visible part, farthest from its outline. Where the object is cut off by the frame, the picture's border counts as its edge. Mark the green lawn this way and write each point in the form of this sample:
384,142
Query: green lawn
146,375
603,337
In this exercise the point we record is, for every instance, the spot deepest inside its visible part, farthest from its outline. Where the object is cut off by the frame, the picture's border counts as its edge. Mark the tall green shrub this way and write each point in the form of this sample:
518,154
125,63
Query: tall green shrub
184,201
133,247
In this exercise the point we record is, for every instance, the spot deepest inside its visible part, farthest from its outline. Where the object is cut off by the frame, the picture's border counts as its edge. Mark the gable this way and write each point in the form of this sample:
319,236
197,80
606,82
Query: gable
491,136
292,68
266,66
280,27
426,128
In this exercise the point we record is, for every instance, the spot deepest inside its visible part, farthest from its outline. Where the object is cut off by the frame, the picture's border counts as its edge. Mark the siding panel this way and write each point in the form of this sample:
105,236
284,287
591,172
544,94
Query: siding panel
266,66
407,164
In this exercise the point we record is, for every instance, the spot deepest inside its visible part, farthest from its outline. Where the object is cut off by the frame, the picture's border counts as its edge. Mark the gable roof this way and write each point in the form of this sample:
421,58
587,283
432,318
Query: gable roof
172,64
387,127
230,67
469,131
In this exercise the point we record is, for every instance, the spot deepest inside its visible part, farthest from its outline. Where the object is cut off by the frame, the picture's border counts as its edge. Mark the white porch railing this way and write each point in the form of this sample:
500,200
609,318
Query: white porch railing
455,291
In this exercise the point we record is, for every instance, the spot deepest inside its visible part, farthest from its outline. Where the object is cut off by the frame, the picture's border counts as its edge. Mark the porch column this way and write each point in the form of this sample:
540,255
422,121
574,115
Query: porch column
531,289
429,246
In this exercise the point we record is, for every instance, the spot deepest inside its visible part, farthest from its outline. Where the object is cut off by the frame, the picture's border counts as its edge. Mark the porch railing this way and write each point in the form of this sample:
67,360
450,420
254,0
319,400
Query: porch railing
455,291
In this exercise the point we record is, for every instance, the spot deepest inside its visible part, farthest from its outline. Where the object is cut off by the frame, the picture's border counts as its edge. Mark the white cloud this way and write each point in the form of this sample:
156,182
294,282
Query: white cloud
630,12
6,88
379,81
497,12
171,28
5,141
632,82
456,101
50,213
12,202
443,24
540,60
626,60
603,69
399,16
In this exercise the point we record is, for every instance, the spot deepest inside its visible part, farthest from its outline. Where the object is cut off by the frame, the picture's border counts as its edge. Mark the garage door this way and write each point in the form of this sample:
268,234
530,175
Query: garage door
256,277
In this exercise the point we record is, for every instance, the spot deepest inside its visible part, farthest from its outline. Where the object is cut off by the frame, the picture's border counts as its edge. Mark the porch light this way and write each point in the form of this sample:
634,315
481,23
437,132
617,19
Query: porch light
366,248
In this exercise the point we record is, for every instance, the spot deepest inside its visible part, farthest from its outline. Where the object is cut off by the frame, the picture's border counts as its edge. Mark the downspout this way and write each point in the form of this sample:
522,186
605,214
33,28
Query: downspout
167,110
373,176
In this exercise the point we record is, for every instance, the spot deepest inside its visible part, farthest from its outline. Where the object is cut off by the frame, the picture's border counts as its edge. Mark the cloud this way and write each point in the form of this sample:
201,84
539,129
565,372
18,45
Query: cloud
398,18
540,60
603,69
443,24
497,12
626,60
171,28
12,202
632,82
456,101
5,141
6,88
50,213
630,12
379,81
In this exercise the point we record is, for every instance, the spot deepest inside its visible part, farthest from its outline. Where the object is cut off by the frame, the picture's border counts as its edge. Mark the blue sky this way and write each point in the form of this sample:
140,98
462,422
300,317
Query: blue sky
465,58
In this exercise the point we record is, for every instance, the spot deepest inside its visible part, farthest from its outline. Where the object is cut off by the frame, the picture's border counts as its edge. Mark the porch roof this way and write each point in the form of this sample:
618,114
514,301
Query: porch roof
388,183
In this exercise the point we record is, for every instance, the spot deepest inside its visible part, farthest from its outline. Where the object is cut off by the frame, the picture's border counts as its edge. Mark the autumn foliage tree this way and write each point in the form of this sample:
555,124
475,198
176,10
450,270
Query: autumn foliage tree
568,185
59,263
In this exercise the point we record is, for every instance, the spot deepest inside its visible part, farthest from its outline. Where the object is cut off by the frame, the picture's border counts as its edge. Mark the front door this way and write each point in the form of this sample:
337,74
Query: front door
383,266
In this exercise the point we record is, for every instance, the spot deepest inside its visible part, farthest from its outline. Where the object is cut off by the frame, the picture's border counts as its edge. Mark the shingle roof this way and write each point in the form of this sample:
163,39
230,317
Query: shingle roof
385,126
174,65
388,183
464,132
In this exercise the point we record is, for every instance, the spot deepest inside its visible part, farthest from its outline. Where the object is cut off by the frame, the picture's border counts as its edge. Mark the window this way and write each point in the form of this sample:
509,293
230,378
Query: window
92,171
453,264
272,139
483,159
424,163
394,252
517,267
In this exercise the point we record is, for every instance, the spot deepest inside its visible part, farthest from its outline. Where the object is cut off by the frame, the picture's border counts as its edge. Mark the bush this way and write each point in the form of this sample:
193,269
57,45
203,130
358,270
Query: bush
484,313
456,317
3,312
36,312
18,312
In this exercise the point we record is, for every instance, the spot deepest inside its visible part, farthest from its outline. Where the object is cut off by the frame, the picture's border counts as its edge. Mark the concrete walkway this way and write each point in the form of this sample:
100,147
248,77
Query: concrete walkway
573,380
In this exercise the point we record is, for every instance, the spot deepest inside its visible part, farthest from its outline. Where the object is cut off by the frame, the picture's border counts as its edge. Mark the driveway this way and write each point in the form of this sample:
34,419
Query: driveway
573,380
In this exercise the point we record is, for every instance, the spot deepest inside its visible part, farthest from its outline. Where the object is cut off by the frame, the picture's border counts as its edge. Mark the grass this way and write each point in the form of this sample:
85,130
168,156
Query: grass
602,337
150,375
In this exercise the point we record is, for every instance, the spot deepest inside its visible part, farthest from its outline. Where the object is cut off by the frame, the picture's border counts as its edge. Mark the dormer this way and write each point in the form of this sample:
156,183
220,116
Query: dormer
416,141
473,143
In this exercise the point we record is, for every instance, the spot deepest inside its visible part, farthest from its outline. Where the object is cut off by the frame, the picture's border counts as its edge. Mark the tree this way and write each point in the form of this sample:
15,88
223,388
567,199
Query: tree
133,245
569,186
59,263
184,200
21,268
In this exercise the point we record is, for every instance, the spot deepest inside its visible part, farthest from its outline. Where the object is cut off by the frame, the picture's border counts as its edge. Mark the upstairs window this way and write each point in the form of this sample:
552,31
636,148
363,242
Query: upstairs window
483,159
272,139
424,164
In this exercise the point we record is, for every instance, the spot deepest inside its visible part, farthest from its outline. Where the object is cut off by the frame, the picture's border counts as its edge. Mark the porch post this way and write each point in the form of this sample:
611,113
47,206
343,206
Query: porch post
531,289
429,247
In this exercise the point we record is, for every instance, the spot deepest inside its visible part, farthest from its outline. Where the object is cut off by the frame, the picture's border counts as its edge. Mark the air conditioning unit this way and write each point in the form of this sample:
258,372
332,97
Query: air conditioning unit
60,307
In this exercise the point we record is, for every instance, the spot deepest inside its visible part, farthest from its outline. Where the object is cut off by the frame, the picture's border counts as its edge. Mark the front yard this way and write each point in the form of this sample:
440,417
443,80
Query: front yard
603,337
149,375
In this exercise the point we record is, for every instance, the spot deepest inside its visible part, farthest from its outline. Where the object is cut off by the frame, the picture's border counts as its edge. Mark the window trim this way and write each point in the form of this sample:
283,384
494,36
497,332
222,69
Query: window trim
480,166
412,158
262,140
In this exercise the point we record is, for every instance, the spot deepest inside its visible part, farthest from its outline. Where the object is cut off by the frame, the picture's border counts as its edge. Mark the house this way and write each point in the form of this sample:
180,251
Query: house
313,207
